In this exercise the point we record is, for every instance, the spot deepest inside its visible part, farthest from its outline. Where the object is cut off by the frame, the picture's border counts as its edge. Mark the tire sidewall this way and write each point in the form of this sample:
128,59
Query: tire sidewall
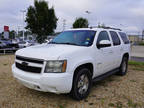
81,72
125,59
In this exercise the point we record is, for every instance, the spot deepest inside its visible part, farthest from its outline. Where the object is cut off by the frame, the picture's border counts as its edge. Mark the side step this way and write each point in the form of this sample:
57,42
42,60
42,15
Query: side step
103,76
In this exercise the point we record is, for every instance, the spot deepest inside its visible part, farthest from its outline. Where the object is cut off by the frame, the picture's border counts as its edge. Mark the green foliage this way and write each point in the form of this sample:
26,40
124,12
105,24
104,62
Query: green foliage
41,20
131,104
80,23
60,106
142,43
136,63
139,66
111,104
12,34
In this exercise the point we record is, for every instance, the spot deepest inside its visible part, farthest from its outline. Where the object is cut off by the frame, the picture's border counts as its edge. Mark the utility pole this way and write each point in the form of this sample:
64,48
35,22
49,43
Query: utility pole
23,11
88,13
18,28
64,24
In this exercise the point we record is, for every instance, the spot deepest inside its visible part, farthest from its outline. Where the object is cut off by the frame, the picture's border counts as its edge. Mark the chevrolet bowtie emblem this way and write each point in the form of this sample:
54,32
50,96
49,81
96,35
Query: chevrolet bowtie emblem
25,63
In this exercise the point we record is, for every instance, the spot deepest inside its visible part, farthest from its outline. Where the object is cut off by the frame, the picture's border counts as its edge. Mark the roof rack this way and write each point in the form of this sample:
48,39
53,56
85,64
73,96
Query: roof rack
105,28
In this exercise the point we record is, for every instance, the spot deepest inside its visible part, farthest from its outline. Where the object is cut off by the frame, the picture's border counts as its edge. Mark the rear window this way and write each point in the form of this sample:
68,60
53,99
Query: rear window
124,38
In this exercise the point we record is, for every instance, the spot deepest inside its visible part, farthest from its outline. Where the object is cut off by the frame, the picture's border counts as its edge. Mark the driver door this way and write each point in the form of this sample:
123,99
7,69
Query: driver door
104,55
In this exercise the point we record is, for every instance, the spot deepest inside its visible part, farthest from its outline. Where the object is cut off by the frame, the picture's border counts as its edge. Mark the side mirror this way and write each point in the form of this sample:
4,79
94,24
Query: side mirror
103,43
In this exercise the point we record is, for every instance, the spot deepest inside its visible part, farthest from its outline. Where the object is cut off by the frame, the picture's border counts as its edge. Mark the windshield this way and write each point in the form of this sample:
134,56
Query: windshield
78,37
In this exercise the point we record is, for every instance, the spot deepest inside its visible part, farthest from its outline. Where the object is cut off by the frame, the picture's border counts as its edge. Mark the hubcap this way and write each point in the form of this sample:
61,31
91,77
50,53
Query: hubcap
83,84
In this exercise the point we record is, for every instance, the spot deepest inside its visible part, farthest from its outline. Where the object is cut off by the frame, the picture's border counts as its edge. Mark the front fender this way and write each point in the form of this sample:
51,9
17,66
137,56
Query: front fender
81,62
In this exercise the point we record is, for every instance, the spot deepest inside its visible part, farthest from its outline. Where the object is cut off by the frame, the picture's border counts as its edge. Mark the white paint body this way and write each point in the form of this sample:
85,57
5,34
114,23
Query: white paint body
103,60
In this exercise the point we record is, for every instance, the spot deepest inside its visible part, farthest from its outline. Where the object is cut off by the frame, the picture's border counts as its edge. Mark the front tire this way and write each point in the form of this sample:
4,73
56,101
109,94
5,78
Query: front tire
123,66
82,83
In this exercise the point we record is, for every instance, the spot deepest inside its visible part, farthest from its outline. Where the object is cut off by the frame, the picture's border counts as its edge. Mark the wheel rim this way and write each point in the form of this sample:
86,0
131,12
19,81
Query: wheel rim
124,67
83,84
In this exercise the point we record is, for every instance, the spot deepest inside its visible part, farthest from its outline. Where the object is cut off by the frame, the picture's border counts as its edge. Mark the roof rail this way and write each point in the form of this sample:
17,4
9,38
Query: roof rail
105,28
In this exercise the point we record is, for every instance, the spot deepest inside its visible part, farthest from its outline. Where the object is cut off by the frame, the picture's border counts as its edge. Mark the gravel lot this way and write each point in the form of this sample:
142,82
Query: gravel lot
113,92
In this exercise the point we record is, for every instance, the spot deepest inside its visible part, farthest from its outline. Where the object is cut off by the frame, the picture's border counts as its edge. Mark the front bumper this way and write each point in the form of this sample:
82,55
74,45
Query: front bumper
46,82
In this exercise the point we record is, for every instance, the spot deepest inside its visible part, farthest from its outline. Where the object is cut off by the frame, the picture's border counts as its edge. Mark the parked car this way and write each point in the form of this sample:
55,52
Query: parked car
2,45
14,41
23,44
27,43
9,44
73,60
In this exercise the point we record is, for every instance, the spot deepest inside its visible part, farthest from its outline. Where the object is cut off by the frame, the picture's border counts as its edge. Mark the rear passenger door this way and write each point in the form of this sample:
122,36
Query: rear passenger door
117,51
126,43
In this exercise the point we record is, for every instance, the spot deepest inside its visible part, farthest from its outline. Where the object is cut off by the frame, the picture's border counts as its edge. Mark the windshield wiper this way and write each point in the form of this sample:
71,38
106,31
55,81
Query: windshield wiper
68,43
53,43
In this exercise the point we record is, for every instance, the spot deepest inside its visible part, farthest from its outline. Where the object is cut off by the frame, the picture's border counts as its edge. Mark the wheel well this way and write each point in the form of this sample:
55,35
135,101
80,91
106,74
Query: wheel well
126,55
87,65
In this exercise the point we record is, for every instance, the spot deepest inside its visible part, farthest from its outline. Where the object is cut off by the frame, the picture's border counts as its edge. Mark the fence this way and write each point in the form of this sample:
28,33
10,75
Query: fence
136,39
7,51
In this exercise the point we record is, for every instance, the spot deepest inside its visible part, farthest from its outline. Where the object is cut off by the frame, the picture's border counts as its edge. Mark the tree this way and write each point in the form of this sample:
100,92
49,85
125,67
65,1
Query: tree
80,23
12,34
41,20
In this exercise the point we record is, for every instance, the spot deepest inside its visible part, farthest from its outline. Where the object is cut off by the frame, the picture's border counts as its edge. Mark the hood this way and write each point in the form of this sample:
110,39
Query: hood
48,51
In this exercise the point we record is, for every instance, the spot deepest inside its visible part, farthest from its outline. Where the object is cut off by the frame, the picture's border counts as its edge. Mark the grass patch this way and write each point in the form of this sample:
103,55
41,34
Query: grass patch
136,63
5,64
142,43
139,66
111,104
131,104
132,80
6,54
60,106
116,105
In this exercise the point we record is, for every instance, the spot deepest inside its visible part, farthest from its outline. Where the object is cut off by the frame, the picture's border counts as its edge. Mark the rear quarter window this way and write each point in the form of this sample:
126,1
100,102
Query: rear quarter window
124,38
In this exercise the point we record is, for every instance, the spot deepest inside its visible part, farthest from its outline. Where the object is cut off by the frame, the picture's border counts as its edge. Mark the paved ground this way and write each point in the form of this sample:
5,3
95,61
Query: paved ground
113,92
137,51
138,59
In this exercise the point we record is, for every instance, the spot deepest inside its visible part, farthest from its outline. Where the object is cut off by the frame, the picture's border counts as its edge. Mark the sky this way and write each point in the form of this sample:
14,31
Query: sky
125,14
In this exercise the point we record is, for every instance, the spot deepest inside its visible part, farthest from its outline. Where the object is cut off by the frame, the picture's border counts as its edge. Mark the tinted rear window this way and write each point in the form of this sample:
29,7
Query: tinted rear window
124,38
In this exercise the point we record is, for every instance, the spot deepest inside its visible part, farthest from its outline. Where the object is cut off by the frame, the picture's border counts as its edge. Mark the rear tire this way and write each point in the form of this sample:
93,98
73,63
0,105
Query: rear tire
123,67
82,83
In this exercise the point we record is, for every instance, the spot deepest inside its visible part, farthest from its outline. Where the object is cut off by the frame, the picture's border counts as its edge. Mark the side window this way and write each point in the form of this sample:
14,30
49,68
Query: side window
103,36
124,38
115,38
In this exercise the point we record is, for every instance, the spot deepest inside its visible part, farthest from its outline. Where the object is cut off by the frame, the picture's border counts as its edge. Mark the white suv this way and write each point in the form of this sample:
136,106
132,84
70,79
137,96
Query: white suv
73,60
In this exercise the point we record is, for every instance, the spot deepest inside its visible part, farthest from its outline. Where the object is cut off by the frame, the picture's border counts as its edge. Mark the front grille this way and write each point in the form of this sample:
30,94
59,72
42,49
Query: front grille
29,59
28,68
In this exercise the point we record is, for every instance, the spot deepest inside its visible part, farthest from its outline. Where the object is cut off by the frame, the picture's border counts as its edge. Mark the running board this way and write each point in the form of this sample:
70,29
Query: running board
103,76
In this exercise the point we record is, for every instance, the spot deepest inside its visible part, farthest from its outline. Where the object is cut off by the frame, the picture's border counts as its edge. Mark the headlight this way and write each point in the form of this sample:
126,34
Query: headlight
56,66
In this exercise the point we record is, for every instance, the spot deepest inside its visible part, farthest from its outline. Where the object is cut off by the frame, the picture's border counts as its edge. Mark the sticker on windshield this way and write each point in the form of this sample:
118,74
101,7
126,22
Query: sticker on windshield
86,43
88,39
